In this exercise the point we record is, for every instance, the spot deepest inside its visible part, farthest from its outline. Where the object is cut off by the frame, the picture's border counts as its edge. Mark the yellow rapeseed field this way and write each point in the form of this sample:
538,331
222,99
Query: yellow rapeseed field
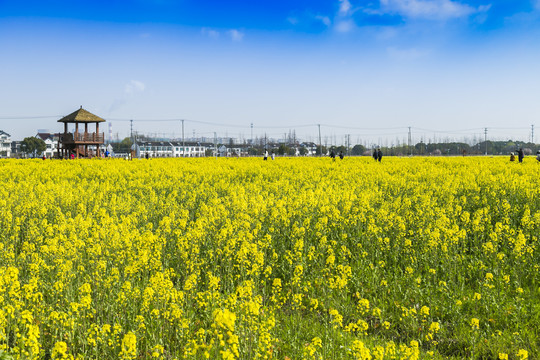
288,259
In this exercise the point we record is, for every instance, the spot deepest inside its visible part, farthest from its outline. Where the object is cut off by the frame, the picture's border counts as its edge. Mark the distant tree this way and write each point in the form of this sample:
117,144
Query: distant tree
318,151
283,149
292,151
303,150
33,145
123,146
358,149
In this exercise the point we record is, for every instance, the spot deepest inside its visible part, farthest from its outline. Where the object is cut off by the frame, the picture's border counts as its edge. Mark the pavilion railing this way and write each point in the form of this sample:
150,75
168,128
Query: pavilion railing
83,137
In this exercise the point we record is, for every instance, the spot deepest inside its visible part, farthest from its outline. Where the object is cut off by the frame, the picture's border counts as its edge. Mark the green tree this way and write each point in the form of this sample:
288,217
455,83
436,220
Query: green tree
318,151
283,149
123,146
358,149
33,145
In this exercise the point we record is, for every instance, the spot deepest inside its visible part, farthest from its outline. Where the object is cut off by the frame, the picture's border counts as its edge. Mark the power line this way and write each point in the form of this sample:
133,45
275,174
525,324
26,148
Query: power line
30,117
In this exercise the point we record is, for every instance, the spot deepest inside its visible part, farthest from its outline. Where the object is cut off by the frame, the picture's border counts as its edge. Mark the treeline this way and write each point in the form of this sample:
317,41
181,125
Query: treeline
423,149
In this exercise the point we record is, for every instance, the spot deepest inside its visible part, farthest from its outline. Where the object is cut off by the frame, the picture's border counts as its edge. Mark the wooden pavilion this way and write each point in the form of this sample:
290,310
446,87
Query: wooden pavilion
78,142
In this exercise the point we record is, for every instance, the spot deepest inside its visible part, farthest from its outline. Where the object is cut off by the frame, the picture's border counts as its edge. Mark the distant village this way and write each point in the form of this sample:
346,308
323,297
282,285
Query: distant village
82,142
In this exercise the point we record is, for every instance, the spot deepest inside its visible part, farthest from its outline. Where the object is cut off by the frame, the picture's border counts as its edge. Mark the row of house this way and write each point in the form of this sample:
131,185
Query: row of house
170,149
5,144
151,149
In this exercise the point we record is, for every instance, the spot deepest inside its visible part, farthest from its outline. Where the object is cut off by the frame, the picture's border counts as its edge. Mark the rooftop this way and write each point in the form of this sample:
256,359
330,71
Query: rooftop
81,116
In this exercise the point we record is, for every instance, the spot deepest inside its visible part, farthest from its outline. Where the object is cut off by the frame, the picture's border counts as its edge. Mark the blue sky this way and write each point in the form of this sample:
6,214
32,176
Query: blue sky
366,68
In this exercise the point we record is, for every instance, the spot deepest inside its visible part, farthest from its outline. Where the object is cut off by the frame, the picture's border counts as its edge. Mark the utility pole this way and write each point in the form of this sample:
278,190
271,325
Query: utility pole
131,137
532,134
251,139
409,141
348,144
215,144
485,138
320,142
183,141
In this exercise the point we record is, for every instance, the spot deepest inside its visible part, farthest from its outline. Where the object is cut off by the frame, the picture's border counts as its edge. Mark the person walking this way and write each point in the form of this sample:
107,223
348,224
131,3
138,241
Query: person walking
379,155
520,155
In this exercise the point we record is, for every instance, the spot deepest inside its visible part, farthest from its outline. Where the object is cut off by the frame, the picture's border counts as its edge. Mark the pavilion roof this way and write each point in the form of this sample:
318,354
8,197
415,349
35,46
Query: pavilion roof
81,116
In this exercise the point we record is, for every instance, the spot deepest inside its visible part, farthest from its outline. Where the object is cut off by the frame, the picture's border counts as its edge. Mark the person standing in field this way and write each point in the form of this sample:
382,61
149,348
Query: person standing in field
520,155
512,157
538,155
333,155
379,155
375,154
273,156
341,155
265,155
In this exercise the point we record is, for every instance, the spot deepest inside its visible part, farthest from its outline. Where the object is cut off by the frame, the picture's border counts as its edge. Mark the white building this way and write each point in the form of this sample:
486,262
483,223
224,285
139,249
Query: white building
156,149
5,144
51,141
192,149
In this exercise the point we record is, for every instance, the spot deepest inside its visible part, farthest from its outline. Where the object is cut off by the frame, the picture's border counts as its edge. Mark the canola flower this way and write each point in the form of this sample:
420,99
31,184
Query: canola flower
244,259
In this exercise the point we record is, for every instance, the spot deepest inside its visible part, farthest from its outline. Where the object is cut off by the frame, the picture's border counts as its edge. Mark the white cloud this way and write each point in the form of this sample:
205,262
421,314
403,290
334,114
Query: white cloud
431,9
210,33
406,54
292,20
236,35
324,19
344,7
344,26
133,87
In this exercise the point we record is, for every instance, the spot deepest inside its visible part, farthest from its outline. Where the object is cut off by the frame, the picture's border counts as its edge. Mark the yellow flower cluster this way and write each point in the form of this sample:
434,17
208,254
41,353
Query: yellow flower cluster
244,259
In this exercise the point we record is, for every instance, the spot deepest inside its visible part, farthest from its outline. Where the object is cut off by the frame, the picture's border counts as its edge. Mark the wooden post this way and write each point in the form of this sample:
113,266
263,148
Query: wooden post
85,138
75,138
96,139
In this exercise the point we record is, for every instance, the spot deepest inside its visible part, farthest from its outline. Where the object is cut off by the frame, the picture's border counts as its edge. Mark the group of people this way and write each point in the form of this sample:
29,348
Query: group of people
266,155
333,155
377,155
521,155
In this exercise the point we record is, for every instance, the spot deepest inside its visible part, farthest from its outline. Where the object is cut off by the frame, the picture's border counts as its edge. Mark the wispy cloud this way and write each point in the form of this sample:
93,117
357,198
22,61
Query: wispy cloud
324,19
233,34
236,35
214,34
431,9
344,25
131,89
344,7
406,54
293,20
